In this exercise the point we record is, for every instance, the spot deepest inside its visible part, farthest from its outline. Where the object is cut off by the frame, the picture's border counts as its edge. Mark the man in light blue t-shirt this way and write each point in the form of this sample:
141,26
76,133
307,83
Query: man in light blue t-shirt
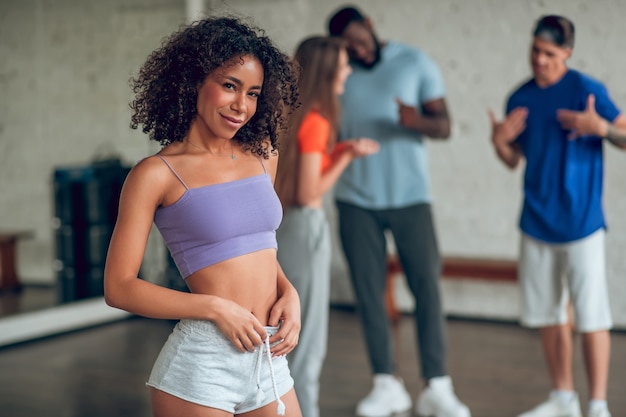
395,95
556,122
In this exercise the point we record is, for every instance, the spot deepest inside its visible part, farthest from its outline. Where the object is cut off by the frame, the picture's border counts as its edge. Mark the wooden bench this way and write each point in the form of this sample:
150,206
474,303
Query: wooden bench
9,279
454,267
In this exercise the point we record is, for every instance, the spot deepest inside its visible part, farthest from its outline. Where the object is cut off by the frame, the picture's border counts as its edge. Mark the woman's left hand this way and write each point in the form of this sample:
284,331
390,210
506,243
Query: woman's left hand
286,313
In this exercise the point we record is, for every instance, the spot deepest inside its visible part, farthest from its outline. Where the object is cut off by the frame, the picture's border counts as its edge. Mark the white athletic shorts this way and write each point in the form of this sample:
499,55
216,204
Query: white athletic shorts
200,365
553,274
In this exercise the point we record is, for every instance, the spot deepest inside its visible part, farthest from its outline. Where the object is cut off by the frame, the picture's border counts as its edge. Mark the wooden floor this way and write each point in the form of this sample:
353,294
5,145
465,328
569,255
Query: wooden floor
497,369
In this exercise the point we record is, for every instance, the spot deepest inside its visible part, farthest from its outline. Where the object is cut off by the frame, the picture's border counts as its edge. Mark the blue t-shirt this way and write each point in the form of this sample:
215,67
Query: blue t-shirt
563,181
397,176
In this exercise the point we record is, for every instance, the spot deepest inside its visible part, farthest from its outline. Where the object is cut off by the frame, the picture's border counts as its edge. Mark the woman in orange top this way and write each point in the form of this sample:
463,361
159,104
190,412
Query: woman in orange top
310,163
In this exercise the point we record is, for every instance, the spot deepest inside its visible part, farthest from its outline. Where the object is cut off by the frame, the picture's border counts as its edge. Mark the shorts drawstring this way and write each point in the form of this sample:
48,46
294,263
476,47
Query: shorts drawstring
260,395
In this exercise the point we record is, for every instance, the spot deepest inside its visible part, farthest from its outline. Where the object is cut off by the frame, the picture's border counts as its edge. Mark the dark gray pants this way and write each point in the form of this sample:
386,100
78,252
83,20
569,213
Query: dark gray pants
363,239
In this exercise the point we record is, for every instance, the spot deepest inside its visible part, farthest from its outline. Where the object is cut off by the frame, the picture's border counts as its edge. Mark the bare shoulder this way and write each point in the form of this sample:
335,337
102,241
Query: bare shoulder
149,168
150,165
148,179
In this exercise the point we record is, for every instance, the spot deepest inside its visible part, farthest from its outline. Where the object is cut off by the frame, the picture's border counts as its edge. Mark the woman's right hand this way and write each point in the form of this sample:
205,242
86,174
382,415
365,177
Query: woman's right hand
239,325
363,147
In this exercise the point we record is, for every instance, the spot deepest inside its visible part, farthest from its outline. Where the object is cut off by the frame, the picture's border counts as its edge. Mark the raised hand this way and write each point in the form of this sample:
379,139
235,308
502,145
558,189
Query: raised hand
580,123
408,115
356,148
364,147
506,131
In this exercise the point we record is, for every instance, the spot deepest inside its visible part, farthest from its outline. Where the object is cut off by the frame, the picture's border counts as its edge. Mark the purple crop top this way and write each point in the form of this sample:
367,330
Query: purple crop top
217,222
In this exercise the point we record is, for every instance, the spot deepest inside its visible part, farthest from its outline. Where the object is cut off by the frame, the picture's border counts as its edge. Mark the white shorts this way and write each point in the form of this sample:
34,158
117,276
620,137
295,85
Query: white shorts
200,365
552,274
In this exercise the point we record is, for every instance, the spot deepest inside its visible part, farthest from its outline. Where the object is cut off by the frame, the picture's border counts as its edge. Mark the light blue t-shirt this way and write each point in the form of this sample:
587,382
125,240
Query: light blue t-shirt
563,178
397,176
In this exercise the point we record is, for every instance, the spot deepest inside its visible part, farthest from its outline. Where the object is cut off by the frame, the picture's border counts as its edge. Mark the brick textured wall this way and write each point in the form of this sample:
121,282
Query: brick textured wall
64,99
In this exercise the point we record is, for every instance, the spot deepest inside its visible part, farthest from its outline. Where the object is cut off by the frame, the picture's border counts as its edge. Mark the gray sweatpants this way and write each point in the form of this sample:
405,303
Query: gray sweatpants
363,239
304,253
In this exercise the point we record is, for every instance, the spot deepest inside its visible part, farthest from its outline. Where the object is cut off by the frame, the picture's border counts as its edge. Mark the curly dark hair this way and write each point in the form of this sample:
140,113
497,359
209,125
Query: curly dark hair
166,88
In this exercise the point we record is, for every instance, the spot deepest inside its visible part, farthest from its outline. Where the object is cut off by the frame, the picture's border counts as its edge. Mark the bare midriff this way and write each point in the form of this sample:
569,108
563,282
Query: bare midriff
248,280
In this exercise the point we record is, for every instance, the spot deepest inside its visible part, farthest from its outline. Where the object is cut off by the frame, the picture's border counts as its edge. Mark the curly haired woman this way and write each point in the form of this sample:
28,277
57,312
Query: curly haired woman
212,95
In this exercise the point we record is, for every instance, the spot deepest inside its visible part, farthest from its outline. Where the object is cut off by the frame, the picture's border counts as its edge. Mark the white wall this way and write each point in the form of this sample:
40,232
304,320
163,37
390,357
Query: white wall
64,98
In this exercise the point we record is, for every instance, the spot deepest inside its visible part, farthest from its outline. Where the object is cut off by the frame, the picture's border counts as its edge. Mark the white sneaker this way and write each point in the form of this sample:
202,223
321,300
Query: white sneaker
555,407
598,412
438,399
387,397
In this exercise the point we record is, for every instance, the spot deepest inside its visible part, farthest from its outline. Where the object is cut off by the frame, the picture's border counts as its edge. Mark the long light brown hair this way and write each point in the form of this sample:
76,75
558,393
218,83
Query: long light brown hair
318,59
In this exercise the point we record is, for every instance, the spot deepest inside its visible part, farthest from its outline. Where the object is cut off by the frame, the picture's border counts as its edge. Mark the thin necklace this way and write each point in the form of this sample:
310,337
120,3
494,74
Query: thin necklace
232,150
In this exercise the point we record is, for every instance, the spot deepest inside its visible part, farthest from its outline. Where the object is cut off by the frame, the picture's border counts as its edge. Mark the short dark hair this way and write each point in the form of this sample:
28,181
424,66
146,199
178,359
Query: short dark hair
340,20
556,29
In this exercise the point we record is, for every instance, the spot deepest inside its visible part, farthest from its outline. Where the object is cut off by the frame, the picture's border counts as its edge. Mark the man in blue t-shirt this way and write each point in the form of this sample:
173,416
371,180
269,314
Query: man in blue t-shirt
396,95
556,121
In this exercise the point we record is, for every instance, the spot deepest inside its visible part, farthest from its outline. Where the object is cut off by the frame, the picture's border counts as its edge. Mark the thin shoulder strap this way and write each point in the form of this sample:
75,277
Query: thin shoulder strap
262,164
174,172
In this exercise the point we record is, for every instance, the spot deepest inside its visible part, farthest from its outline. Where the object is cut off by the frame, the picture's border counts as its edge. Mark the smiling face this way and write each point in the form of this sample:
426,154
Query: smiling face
227,99
547,61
